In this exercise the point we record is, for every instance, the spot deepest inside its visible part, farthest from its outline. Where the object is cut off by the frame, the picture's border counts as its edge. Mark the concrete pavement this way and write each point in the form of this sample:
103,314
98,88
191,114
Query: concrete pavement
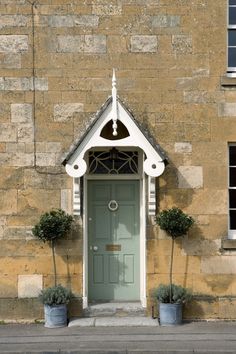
195,337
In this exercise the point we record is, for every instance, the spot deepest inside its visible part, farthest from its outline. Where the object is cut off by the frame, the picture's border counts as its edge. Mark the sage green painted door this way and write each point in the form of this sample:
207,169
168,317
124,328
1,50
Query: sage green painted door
113,230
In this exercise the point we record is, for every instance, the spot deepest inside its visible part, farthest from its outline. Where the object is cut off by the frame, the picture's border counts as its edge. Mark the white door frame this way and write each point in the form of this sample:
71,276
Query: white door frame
143,298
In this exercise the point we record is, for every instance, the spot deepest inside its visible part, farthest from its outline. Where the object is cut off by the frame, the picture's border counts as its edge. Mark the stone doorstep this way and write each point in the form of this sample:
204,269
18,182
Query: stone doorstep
113,309
133,321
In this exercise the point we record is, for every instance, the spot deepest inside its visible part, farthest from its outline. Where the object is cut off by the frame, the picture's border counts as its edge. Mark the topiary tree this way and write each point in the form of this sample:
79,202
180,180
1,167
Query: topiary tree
52,226
176,223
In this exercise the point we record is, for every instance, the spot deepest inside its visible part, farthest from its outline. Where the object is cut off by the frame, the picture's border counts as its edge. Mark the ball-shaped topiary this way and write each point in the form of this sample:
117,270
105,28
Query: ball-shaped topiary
53,225
174,221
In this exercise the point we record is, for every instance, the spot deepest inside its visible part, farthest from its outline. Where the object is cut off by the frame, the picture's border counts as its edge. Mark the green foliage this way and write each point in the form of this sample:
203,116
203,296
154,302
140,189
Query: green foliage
53,225
56,295
174,221
178,294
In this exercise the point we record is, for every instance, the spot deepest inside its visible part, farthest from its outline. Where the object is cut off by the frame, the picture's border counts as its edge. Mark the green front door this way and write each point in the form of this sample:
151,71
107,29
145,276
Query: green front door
113,240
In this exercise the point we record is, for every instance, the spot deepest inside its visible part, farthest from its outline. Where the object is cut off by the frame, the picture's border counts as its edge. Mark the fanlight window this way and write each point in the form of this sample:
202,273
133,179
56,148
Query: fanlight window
113,162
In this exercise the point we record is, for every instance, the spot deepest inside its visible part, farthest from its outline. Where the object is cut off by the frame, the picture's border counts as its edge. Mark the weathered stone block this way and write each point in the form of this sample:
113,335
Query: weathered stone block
66,200
40,83
214,202
11,61
25,309
13,43
8,203
17,233
190,177
11,178
86,21
201,247
107,10
219,265
21,159
165,21
182,44
196,97
46,159
183,148
17,84
144,44
25,133
95,44
63,112
8,286
21,113
82,44
13,21
7,132
227,308
73,21
61,21
23,84
53,147
36,201
29,285
227,110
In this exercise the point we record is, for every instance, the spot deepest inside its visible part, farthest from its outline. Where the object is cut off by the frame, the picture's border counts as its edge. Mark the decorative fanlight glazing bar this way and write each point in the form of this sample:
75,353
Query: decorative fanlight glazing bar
113,162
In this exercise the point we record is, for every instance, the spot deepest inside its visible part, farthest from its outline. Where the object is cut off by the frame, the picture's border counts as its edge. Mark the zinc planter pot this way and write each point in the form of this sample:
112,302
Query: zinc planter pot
55,316
170,314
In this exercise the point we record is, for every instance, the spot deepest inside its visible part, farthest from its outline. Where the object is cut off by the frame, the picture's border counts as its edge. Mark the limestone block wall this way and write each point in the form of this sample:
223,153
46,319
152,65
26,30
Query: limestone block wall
56,60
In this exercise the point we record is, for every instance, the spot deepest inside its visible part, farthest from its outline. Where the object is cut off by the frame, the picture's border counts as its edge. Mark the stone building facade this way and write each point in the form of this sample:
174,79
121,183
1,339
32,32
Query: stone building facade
56,61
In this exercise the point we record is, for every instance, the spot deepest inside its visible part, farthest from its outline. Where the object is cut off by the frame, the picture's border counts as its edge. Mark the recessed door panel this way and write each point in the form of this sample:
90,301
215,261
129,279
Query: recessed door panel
101,229
126,222
113,269
129,268
98,269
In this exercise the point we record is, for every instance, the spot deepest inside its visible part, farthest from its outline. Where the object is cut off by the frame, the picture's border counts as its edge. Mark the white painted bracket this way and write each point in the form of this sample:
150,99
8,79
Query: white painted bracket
151,196
76,196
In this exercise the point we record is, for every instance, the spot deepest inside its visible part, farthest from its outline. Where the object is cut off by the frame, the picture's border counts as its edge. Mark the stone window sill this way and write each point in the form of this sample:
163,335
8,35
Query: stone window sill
228,82
228,244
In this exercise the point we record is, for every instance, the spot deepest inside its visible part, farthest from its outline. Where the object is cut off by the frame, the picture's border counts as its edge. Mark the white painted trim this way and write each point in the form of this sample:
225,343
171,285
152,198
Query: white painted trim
143,295
76,196
85,246
151,196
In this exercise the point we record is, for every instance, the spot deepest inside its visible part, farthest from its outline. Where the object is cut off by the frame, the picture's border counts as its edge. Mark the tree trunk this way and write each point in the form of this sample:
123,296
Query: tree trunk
54,262
171,266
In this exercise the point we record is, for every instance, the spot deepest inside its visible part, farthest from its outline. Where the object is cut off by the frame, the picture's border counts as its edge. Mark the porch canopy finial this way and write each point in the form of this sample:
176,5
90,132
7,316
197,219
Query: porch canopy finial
114,104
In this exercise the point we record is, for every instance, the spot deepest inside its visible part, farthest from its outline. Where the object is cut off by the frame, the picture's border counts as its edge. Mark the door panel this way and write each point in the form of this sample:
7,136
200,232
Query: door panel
124,228
102,230
114,266
129,268
98,269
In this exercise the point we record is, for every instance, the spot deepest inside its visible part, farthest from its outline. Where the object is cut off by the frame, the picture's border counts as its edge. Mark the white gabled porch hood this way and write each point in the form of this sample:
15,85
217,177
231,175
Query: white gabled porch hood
113,114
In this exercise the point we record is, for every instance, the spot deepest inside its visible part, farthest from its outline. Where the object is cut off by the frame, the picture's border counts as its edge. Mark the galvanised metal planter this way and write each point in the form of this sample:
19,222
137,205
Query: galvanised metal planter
55,316
170,314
